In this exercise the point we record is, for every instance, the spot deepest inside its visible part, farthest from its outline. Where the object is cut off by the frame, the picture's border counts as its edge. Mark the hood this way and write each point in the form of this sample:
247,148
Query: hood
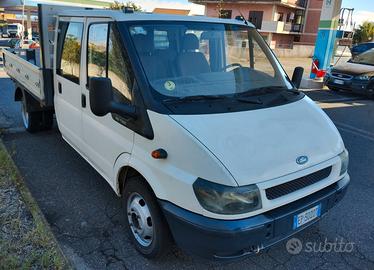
261,145
353,69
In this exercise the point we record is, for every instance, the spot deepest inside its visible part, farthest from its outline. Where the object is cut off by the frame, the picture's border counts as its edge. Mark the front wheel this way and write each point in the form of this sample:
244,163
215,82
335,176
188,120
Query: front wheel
333,88
148,229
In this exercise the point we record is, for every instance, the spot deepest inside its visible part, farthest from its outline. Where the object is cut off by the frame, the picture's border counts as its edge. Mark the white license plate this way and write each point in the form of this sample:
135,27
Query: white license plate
341,82
306,216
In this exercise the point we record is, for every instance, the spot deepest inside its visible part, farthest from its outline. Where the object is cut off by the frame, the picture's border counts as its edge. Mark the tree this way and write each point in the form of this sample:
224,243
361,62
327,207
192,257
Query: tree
364,33
121,5
221,12
71,52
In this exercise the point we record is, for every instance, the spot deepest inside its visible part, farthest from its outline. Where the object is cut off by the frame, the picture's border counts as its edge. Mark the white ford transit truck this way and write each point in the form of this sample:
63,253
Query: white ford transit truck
191,120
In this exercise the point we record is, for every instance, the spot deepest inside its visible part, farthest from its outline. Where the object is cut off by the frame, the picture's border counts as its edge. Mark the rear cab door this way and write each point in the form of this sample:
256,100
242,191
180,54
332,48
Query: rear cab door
68,79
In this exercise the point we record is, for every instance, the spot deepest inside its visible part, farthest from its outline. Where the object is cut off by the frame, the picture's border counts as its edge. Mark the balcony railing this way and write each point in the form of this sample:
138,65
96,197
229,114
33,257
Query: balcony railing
272,26
280,27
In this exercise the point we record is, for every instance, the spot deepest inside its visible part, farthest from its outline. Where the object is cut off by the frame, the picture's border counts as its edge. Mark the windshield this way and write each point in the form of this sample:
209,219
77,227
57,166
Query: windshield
366,58
183,59
12,27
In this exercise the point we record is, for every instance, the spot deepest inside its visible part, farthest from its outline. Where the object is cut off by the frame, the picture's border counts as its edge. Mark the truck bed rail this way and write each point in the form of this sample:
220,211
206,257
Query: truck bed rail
25,73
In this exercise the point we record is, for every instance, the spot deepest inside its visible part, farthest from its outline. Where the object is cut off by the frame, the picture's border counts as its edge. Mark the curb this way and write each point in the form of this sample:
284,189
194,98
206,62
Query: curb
32,205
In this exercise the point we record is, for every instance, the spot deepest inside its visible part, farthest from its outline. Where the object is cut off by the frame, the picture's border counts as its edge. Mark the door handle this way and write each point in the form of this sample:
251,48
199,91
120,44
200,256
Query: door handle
83,101
59,88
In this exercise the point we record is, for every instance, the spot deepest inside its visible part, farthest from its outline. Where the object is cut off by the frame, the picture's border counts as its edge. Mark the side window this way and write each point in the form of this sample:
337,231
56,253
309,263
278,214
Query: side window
97,50
106,58
119,69
69,66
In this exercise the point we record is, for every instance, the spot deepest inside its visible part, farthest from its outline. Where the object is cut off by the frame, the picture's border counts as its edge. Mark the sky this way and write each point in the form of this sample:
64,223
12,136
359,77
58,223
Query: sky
364,10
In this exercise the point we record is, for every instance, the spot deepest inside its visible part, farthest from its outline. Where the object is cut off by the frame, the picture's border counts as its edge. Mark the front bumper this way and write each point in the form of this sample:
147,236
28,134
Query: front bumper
233,239
353,85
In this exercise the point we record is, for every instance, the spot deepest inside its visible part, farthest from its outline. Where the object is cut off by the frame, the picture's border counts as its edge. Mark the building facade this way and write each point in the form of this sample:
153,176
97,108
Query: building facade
283,23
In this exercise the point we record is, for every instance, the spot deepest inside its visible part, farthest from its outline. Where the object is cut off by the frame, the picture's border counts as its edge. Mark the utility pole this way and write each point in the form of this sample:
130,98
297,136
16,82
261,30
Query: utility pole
23,19
326,36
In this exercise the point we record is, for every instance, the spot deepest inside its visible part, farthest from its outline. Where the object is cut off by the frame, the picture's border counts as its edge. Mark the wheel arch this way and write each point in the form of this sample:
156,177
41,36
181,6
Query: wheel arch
18,94
124,170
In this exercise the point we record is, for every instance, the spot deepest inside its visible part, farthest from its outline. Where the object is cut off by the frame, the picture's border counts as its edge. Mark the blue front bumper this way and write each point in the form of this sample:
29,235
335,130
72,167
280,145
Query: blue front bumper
233,239
354,85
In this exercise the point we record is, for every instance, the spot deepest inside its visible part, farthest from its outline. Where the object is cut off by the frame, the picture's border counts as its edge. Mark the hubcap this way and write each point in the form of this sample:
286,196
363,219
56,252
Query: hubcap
25,116
140,219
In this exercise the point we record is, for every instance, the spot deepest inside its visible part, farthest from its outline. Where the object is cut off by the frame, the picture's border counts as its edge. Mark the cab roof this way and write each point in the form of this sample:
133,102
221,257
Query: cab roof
141,16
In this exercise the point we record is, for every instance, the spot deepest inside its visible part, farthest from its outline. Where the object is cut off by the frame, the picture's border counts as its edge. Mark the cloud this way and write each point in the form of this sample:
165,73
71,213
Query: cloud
360,16
149,5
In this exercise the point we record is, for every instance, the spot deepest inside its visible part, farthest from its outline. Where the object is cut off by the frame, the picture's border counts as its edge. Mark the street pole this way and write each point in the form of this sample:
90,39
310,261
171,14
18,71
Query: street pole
23,18
326,35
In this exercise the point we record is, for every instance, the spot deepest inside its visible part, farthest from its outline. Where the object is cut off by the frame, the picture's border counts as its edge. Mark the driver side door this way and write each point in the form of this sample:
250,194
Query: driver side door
106,137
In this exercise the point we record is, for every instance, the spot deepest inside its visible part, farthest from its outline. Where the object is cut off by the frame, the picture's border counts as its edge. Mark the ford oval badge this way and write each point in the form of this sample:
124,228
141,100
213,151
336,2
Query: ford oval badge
301,160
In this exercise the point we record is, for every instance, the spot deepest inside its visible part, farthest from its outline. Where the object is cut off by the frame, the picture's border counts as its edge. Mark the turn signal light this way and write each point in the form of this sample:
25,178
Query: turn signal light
159,154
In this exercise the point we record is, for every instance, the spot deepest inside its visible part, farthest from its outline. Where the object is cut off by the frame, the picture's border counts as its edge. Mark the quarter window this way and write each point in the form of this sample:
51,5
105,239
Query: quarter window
119,71
97,50
69,65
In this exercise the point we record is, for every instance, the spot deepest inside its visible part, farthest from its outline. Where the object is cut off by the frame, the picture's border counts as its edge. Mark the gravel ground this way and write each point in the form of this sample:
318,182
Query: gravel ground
25,240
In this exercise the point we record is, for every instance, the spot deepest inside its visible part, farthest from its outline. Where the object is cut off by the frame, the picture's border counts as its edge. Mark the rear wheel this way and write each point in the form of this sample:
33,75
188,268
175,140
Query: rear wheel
148,229
31,120
35,121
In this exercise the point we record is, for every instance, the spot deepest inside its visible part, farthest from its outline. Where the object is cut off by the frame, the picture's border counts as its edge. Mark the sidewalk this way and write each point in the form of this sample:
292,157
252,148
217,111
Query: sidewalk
26,241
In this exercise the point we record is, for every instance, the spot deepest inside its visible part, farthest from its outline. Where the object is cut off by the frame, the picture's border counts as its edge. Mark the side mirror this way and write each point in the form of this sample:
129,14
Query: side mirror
101,95
297,76
101,99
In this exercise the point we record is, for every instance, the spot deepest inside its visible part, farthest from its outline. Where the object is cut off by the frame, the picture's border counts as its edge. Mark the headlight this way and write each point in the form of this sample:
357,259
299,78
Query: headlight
221,199
328,70
363,77
344,157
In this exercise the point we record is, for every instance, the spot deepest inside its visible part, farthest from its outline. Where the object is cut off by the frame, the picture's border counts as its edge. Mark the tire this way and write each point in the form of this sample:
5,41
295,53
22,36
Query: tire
333,89
144,220
31,120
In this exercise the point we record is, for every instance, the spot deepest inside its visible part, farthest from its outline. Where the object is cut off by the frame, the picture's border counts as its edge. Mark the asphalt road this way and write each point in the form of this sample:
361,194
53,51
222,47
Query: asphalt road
86,216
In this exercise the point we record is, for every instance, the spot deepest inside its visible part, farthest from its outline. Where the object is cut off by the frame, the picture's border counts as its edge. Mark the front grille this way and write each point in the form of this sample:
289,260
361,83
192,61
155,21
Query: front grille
299,183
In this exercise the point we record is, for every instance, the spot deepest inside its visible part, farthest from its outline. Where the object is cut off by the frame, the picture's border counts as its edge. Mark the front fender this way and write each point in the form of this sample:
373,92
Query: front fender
122,161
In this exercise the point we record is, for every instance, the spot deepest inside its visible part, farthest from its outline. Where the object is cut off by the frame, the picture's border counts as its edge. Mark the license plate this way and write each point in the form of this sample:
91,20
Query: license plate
341,82
306,216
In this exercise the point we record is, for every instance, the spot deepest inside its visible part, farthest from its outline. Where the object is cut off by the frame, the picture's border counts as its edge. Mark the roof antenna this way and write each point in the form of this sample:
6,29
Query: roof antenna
241,18
128,10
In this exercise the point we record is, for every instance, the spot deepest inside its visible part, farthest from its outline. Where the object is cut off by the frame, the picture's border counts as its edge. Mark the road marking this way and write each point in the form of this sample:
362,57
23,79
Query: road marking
345,99
356,131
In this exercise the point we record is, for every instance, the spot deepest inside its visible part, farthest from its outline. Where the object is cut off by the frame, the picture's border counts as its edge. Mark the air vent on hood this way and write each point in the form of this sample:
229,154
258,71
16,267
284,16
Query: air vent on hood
299,183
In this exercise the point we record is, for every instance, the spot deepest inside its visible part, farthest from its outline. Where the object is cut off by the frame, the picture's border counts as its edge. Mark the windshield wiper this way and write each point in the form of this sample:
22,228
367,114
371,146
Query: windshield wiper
293,91
261,90
193,98
249,100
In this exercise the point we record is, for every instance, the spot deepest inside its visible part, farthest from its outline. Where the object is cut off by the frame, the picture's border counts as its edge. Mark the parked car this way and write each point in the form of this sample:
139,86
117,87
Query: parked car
25,44
360,48
356,75
211,149
14,43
